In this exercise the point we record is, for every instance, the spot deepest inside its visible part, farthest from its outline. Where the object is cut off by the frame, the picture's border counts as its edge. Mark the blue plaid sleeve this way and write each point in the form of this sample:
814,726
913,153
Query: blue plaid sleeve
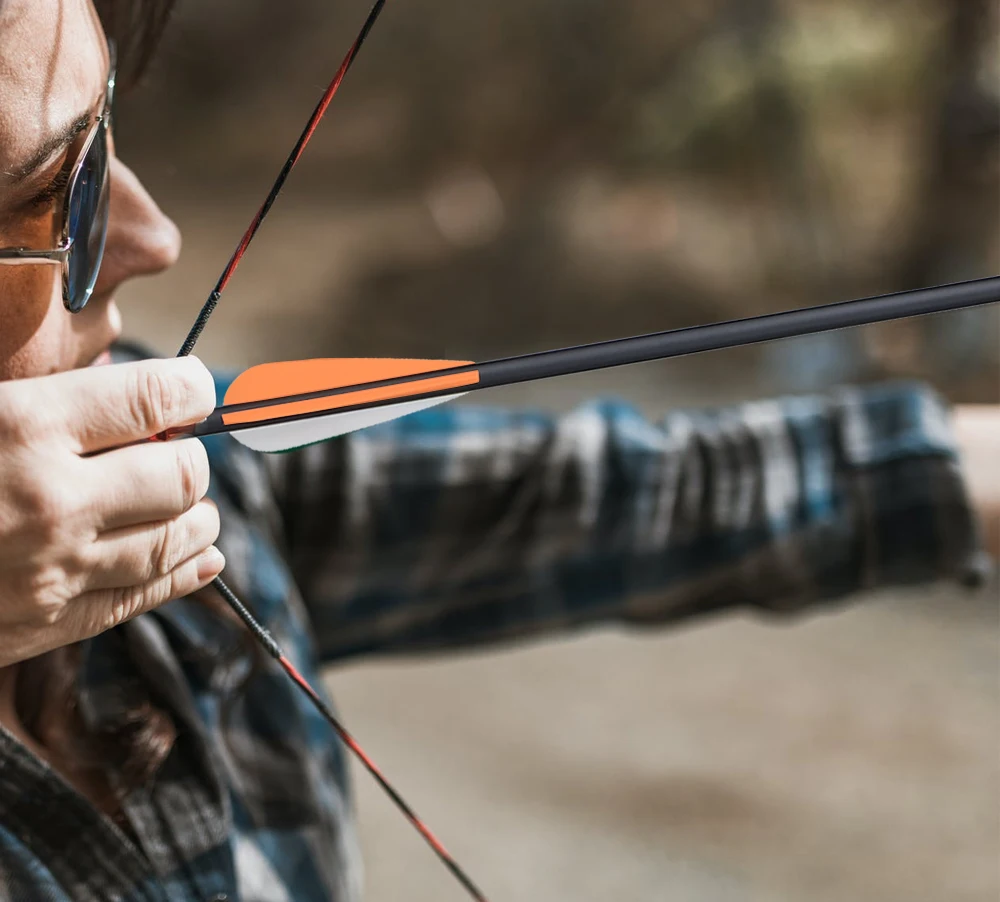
464,525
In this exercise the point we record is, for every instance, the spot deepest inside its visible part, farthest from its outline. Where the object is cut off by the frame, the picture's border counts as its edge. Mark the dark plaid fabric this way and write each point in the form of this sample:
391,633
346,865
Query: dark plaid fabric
449,529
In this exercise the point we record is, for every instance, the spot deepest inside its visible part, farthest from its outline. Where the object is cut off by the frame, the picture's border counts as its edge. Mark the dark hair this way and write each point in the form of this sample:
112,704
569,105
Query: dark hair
139,739
136,27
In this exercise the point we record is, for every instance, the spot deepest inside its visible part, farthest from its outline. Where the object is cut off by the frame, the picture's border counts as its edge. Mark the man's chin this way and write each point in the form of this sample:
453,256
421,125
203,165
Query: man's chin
110,331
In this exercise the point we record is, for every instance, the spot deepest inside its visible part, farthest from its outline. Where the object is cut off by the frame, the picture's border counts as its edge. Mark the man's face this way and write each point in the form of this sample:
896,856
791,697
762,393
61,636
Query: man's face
53,79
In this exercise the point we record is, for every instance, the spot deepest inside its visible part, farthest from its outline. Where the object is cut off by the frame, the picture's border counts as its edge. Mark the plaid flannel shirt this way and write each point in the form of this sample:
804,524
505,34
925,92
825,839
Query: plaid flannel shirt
450,528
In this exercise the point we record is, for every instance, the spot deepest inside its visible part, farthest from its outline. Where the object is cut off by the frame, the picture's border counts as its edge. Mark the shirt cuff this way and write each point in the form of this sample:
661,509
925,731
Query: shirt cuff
904,491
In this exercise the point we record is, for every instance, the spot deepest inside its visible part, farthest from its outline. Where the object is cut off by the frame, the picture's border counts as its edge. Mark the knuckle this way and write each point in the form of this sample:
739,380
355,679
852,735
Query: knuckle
167,550
125,604
50,613
48,504
155,398
128,603
46,589
172,392
192,472
78,560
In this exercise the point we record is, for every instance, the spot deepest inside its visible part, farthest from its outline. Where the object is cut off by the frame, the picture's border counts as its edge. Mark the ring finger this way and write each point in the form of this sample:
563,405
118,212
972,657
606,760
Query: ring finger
135,555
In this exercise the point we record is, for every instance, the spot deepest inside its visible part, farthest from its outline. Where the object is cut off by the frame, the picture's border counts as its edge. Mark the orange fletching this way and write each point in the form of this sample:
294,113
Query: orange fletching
281,379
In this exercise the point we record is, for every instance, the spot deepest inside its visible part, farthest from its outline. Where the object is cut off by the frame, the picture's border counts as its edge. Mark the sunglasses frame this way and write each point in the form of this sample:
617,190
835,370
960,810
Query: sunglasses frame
61,253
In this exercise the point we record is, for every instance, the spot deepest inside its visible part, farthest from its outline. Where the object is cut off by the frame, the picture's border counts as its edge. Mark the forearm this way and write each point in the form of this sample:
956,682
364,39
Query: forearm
504,525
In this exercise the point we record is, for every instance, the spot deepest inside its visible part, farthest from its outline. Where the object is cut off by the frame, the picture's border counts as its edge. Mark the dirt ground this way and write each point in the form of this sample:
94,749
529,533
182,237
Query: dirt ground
848,758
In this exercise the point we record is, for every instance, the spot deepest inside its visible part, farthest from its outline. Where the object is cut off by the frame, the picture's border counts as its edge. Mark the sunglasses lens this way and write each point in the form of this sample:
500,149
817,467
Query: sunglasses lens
88,221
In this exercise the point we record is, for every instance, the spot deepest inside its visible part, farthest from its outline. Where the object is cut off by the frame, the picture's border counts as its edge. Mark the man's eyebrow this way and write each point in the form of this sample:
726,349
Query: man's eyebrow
55,142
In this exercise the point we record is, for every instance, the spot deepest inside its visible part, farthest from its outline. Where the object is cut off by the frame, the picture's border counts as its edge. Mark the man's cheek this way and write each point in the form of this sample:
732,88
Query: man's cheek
35,332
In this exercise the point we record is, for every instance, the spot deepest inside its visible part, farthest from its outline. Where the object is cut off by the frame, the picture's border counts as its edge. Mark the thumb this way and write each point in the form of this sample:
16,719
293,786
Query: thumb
108,406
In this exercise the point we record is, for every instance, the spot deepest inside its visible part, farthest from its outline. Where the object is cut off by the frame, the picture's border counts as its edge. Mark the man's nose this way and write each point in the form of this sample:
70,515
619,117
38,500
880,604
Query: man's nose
142,239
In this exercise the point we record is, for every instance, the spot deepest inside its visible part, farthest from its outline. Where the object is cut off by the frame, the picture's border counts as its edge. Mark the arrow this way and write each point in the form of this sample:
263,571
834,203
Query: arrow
281,406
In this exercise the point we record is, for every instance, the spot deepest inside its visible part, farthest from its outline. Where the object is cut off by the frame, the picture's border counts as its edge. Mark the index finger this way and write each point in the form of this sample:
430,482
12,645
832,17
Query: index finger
108,406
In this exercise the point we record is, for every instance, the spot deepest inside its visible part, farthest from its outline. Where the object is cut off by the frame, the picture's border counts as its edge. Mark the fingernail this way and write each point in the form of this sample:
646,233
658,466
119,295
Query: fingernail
210,563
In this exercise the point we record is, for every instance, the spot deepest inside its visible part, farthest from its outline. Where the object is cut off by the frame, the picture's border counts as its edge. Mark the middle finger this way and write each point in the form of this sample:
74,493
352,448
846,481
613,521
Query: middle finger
148,483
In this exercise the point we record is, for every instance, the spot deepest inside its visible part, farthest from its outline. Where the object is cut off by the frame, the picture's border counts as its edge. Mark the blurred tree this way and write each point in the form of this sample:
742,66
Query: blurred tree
636,165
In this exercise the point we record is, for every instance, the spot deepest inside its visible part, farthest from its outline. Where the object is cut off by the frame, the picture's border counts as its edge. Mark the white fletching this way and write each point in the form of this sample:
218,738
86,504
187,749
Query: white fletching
297,433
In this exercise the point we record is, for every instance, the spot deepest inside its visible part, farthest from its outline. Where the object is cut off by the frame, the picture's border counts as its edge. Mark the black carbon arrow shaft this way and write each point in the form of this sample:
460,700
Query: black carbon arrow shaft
638,349
734,333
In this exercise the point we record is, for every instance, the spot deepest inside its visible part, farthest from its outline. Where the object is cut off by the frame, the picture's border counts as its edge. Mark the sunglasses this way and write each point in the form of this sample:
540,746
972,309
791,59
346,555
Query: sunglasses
84,213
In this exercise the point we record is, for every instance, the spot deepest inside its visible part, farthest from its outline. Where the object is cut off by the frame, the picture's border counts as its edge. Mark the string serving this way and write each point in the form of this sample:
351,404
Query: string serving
256,628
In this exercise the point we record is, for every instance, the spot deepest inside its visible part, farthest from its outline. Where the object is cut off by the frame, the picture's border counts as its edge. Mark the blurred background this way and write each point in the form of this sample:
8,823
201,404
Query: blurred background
501,178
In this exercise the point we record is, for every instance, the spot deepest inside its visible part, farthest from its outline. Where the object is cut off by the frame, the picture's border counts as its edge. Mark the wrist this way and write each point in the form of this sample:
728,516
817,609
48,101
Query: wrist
977,436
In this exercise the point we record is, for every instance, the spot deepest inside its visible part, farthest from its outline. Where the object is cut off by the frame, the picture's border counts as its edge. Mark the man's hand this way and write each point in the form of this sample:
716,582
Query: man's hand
977,428
89,539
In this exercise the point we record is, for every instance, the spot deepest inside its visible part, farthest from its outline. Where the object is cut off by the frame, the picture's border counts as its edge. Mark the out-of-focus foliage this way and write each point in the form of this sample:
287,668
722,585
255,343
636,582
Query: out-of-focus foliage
590,168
